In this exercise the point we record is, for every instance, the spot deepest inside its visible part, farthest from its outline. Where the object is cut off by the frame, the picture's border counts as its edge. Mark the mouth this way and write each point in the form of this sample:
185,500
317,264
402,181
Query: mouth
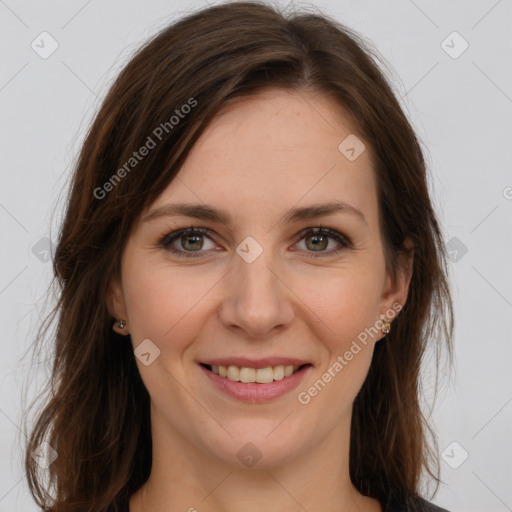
264,381
248,375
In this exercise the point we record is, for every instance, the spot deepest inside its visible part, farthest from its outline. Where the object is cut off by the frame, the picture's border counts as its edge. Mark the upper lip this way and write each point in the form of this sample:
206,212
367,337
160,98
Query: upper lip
255,363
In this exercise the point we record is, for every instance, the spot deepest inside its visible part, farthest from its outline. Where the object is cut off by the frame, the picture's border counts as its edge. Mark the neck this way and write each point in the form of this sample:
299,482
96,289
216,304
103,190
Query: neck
187,478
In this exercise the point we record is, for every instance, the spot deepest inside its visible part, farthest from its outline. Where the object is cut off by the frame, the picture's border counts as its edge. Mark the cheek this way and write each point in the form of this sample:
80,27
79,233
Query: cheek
165,303
346,305
345,302
348,309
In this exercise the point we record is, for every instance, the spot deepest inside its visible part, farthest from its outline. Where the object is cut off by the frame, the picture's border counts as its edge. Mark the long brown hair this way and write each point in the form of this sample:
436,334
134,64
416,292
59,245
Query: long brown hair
96,409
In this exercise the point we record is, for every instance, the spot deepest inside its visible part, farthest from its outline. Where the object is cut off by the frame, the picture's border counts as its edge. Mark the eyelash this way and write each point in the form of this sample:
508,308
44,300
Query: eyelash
167,240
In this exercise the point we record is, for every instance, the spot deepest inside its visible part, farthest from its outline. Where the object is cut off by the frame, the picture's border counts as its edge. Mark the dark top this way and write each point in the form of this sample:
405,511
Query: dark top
410,504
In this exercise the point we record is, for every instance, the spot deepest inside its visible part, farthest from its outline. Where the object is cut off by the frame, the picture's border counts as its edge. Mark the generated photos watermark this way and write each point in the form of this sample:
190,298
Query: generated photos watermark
304,397
157,135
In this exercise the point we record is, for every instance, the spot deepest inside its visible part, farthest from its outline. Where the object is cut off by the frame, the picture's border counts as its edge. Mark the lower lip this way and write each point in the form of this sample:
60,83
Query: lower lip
253,392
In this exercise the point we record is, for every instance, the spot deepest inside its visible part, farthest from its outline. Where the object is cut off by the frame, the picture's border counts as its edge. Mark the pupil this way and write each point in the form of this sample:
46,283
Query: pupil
316,237
192,237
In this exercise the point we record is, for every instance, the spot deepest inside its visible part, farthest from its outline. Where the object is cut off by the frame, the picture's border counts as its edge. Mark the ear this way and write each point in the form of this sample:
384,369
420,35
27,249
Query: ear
116,306
394,293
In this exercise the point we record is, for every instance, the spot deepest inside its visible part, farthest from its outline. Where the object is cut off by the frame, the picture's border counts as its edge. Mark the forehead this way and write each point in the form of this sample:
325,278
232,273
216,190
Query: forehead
280,120
273,151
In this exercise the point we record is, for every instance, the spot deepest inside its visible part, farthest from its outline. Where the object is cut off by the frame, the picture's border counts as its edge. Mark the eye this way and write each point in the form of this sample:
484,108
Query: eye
191,241
319,238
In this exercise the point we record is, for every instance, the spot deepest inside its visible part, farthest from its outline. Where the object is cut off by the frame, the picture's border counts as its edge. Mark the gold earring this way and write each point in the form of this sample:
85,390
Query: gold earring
386,328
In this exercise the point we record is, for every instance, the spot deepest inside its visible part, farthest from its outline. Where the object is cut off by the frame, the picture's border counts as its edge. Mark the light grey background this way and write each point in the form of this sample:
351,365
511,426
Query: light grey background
460,105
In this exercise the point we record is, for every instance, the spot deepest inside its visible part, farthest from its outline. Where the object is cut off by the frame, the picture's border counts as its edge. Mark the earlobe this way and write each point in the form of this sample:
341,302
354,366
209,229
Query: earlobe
120,327
116,308
396,291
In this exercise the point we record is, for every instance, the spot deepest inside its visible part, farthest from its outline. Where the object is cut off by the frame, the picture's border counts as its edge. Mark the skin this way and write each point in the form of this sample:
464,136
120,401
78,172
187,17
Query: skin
261,157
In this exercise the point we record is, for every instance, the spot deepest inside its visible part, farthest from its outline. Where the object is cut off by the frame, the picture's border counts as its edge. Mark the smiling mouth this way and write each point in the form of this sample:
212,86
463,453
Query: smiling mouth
254,375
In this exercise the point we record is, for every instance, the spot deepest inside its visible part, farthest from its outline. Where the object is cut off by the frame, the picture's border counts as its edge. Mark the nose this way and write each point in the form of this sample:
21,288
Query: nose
256,301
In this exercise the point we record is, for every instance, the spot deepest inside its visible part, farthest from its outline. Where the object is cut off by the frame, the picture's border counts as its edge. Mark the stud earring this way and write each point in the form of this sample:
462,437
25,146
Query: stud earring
386,328
121,323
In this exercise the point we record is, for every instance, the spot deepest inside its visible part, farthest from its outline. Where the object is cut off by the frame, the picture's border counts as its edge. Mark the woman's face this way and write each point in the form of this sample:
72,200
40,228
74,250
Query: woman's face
256,289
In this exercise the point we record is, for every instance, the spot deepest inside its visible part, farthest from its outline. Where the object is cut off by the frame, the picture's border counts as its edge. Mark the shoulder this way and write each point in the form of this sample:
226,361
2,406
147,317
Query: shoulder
425,506
410,504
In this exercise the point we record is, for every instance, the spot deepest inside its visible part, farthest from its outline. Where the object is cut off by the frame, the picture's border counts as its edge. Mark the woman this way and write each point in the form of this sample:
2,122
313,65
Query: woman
251,272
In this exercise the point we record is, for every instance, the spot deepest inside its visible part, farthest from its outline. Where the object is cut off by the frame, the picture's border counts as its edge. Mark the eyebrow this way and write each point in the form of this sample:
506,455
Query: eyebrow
207,212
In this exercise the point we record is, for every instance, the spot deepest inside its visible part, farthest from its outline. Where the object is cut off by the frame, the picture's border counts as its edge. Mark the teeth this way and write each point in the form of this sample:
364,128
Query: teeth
288,370
260,375
278,372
